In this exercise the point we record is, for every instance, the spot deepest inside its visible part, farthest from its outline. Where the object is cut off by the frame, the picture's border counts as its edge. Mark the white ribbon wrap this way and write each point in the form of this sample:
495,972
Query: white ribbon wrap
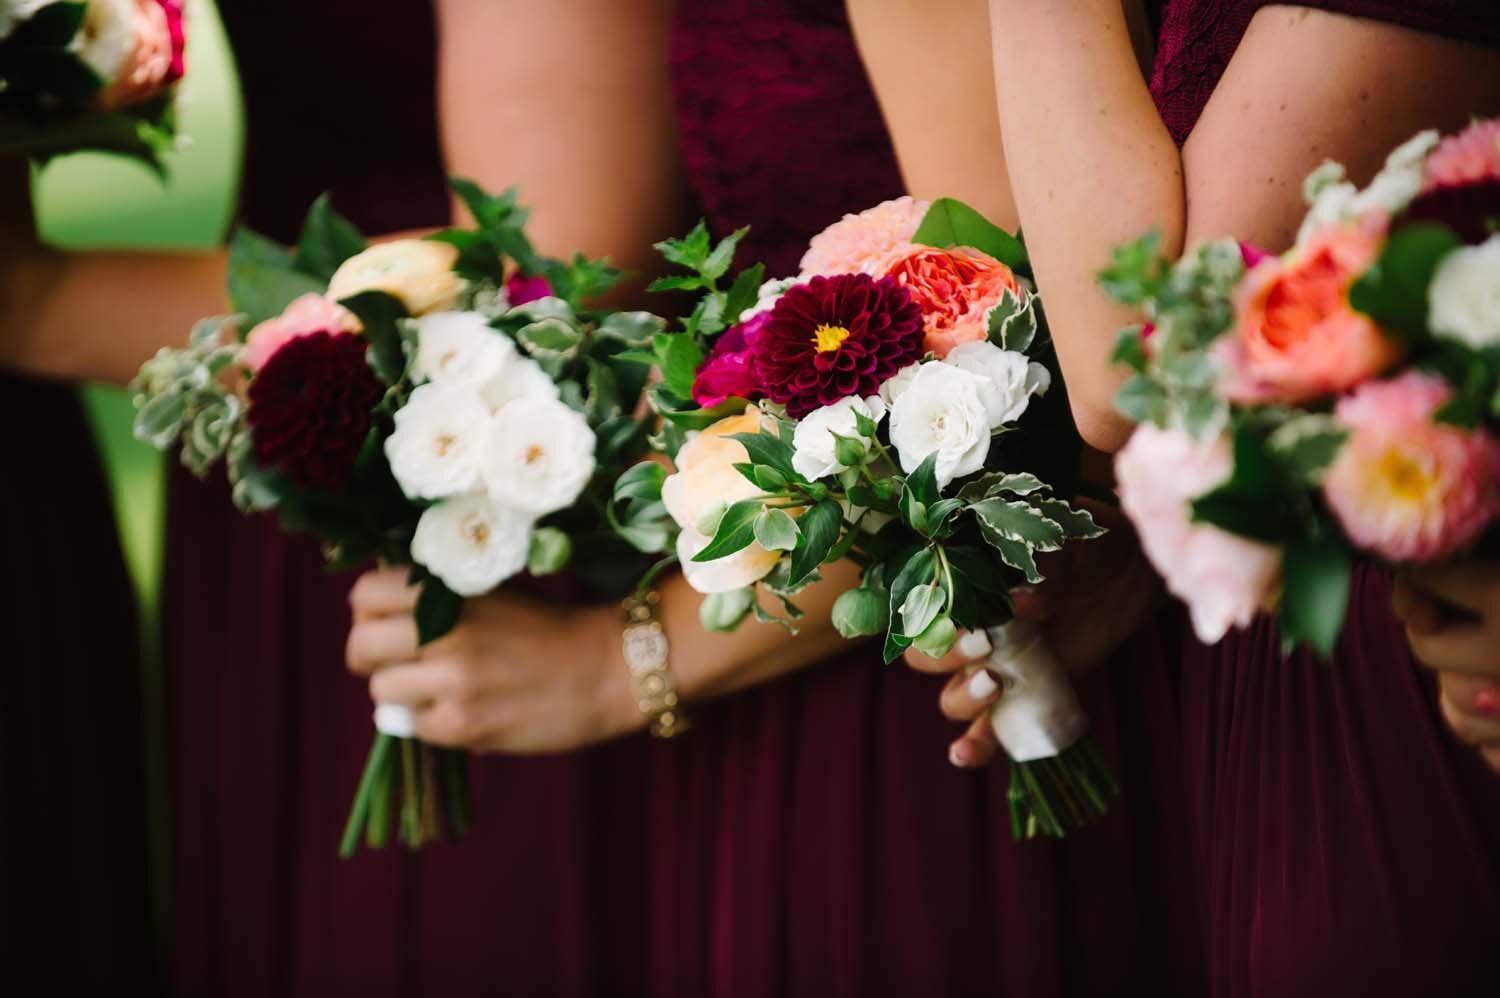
394,719
1038,715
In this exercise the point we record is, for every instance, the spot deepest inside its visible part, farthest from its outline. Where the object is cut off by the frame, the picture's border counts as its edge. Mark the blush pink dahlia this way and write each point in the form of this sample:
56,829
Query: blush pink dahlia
834,337
308,314
866,243
955,288
1403,486
1224,579
1461,182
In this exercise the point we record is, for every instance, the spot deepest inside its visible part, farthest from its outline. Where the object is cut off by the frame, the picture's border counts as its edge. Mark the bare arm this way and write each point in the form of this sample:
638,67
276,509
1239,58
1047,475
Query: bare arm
1092,164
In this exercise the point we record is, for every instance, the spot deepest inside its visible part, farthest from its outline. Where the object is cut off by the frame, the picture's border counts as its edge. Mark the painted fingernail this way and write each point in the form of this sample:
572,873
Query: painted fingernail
1487,701
975,644
982,685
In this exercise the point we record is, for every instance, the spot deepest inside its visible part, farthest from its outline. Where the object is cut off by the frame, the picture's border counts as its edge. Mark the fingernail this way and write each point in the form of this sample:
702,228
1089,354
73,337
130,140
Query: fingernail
975,644
982,685
958,756
1487,701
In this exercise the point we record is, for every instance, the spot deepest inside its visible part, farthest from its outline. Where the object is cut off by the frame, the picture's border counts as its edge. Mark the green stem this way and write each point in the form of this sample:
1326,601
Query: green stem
644,586
375,769
947,576
411,800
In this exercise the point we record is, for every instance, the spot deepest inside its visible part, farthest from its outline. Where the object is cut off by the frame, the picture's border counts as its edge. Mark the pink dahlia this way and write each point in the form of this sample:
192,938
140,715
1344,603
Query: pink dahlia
1403,486
866,243
955,289
834,337
1461,182
305,315
729,371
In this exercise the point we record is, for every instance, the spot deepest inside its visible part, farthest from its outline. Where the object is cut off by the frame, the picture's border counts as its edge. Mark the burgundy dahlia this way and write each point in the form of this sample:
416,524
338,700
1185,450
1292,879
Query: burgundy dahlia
310,409
834,337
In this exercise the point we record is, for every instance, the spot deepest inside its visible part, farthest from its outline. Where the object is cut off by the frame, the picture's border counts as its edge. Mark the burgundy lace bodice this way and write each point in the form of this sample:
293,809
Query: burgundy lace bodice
1198,38
778,123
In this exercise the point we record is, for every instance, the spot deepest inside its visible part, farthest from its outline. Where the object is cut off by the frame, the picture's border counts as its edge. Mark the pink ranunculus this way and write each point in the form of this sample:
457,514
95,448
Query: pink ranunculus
308,314
130,41
1403,486
522,288
955,288
1470,157
1224,579
866,243
1296,338
174,13
729,371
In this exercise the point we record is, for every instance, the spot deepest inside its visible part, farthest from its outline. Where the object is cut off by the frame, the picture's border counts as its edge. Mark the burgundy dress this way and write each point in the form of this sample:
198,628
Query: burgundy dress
269,731
1347,843
809,836
73,842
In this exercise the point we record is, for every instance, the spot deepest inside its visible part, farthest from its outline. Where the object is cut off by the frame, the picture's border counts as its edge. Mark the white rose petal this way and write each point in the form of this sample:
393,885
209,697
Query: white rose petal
521,378
538,456
897,383
1399,180
108,36
1464,296
736,571
460,348
769,294
941,412
472,543
1010,379
439,436
814,448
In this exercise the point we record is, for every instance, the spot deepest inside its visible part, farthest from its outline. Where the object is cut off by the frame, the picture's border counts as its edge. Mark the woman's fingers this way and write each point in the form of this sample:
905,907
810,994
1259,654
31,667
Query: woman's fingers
968,694
378,641
1456,647
977,746
1473,585
1418,609
422,682
970,647
382,593
1470,728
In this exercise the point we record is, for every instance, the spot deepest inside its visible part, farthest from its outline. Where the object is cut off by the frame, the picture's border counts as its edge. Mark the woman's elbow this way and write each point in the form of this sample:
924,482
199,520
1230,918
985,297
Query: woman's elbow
1100,426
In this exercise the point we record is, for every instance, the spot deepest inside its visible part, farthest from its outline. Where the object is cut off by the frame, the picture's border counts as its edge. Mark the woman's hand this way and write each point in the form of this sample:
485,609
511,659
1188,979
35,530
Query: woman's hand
513,676
1452,618
1095,595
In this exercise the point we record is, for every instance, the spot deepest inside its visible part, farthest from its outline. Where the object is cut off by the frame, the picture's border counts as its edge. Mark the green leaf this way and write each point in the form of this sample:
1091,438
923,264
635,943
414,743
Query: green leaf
1016,554
1393,291
676,282
861,612
1013,322
640,481
438,610
776,530
1136,270
716,264
1306,445
262,279
1017,520
922,483
1130,349
327,240
769,450
1077,524
952,223
379,313
849,451
921,607
998,483
736,530
744,292
53,26
648,538
819,528
1315,577
550,338
549,552
690,251
726,611
631,328
918,569
1141,400
679,357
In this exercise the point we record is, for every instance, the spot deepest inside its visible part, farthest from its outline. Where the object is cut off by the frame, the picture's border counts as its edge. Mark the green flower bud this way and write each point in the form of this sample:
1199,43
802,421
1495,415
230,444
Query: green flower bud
550,551
862,612
938,639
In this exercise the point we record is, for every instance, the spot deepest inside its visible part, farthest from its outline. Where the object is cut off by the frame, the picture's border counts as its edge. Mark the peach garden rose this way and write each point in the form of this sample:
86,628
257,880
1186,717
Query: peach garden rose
955,288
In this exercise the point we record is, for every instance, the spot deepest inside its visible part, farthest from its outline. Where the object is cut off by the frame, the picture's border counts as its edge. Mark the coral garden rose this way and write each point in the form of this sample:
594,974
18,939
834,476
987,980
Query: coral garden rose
866,243
310,313
1406,487
417,272
1295,337
955,288
1223,579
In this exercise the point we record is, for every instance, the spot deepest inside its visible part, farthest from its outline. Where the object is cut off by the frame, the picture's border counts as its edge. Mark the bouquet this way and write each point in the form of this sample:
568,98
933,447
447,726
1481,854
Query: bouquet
449,403
884,406
89,74
1341,399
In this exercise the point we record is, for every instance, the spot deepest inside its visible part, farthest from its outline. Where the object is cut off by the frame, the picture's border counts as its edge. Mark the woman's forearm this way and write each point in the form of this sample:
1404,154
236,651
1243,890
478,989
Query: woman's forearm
1091,166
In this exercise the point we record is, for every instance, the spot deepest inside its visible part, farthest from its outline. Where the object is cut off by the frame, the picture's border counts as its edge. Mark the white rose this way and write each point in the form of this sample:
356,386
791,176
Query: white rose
942,412
538,456
472,543
736,571
1464,297
897,383
440,432
13,12
460,348
417,272
1010,379
520,378
814,449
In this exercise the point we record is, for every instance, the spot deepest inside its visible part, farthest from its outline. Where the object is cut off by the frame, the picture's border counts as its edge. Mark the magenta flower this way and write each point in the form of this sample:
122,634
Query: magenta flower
729,371
523,288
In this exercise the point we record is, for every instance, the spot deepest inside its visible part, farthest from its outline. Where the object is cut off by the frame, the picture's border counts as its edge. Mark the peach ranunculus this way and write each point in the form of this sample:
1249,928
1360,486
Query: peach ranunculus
866,243
1295,337
307,314
1404,486
704,478
418,272
955,288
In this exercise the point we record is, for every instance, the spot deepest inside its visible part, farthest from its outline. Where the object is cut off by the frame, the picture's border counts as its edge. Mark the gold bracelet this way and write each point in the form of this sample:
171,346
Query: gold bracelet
645,646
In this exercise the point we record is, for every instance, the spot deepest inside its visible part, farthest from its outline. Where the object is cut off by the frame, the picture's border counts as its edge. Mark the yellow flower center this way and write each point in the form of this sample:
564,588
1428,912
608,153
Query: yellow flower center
826,337
1405,475
534,453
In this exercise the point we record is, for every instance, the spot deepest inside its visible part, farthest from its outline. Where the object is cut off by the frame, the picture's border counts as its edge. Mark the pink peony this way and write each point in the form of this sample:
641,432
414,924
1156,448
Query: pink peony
1295,337
866,243
729,371
130,43
1224,579
307,314
1470,157
955,288
521,288
1403,486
